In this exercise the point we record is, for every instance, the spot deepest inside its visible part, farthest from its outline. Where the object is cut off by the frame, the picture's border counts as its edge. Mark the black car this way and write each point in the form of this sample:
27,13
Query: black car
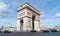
0,31
33,31
44,31
54,30
6,31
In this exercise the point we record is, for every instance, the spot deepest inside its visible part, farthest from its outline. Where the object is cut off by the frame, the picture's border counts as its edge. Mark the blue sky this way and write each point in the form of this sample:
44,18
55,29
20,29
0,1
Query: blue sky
49,10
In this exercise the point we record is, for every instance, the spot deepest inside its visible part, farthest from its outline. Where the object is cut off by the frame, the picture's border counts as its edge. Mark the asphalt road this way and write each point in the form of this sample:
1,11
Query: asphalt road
31,34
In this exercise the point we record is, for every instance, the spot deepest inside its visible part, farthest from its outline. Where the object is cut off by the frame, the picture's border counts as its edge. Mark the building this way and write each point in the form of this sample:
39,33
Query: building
57,27
45,28
28,18
8,28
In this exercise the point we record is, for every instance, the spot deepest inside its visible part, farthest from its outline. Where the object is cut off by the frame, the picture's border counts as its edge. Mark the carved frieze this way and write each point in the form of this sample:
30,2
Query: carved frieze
21,14
29,14
29,24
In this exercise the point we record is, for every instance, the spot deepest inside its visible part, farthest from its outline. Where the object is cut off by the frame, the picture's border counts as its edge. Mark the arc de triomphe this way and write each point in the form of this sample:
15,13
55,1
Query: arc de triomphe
28,18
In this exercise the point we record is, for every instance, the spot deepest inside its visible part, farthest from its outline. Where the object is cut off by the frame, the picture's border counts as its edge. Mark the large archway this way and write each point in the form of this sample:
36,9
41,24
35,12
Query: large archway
33,18
21,25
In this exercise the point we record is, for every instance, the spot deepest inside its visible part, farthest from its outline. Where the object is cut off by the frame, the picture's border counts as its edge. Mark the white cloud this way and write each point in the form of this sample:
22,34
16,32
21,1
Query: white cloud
3,9
3,6
50,22
58,15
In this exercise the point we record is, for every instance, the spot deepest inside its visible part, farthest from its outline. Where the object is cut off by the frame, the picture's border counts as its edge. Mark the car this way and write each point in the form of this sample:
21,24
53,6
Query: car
6,31
33,31
0,31
54,30
44,31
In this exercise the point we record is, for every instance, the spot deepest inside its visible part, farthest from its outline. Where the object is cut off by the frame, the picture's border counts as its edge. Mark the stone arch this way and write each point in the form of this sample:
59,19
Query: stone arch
21,25
33,18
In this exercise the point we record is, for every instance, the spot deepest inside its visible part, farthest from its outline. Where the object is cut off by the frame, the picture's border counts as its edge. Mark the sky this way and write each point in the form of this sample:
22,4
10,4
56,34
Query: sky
49,10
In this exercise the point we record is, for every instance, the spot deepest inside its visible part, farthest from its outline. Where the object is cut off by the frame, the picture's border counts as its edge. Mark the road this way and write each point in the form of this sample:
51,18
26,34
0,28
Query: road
31,34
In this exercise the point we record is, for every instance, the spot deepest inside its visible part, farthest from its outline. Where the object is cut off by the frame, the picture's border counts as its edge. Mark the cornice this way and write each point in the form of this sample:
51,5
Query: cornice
27,5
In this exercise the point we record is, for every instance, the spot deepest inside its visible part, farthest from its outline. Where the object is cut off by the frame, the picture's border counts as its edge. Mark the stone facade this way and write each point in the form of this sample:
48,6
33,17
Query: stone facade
25,20
57,27
8,28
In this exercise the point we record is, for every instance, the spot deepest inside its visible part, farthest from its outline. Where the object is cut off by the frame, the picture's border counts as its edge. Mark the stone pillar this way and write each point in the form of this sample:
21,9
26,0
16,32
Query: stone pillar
25,22
36,25
18,25
29,24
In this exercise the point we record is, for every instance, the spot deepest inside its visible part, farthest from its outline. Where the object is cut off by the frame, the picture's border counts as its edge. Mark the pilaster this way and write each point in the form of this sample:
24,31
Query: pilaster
18,24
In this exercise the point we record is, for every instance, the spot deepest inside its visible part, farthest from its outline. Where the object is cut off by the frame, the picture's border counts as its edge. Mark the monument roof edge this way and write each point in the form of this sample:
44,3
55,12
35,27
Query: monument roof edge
28,5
